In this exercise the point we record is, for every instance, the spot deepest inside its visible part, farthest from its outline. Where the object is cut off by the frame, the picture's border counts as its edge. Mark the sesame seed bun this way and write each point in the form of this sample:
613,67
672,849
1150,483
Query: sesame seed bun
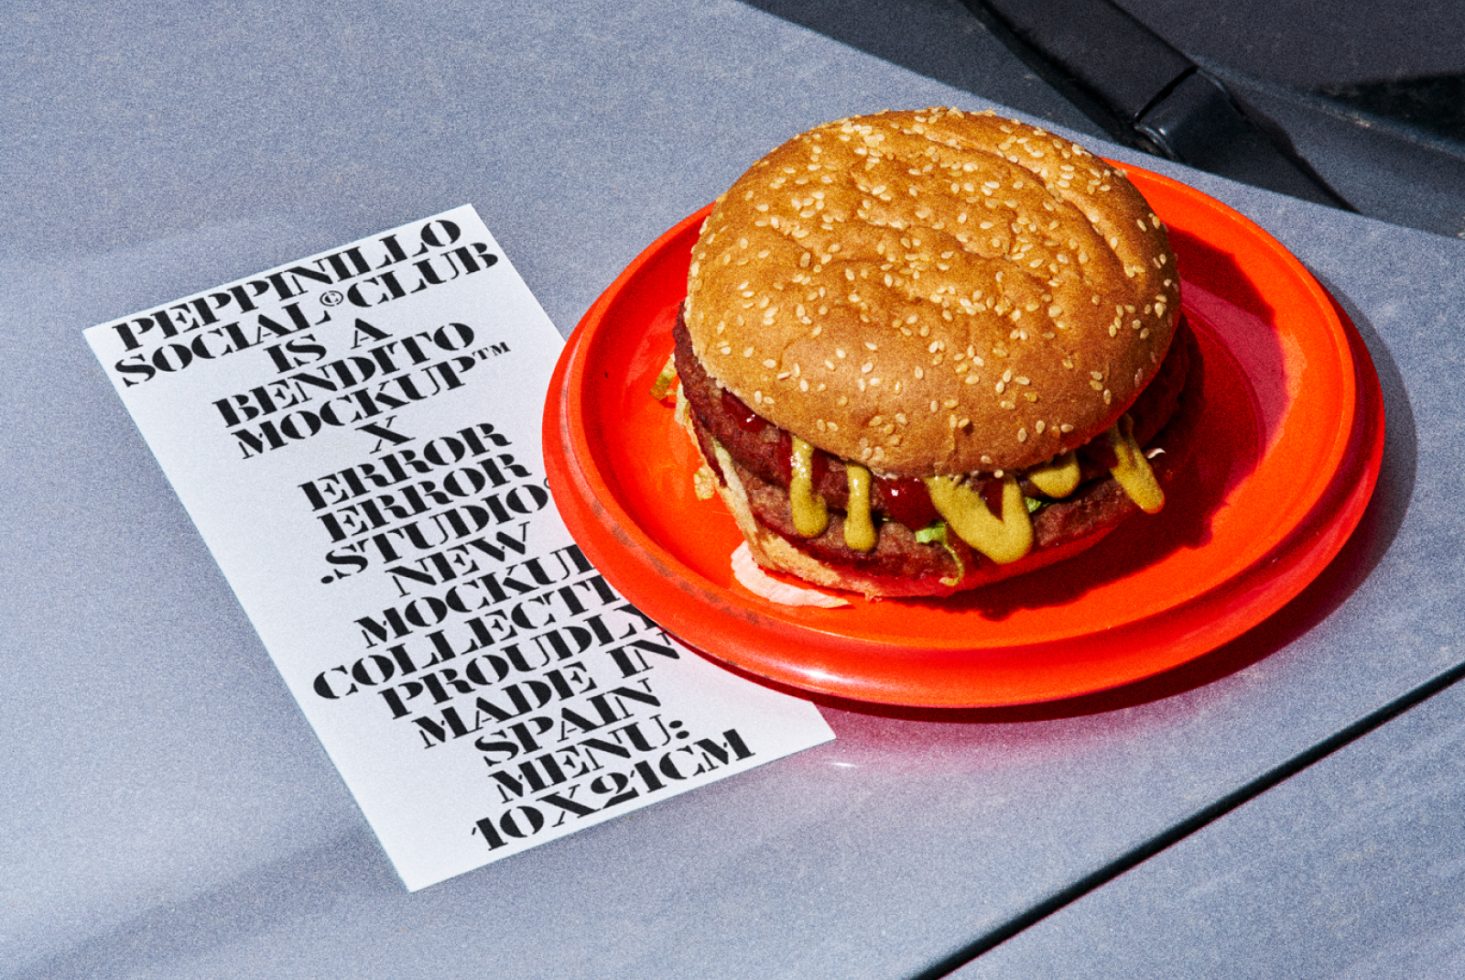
933,292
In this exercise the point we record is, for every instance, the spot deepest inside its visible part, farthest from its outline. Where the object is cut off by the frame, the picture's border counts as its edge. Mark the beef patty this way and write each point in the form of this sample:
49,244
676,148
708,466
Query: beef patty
760,454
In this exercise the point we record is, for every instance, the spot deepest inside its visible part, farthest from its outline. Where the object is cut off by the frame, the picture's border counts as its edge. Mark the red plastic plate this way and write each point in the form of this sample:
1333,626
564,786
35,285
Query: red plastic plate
1289,444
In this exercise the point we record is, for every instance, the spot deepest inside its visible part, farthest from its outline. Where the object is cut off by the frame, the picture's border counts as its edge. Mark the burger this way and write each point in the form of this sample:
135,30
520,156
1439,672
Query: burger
926,350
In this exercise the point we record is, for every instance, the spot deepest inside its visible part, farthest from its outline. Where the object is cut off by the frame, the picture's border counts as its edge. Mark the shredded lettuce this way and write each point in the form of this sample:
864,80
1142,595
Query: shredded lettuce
932,533
1034,504
704,482
936,534
663,382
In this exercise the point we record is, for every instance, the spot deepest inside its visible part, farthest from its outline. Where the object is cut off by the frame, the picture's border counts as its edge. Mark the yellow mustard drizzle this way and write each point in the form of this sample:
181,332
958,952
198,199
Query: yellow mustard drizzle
811,515
1132,471
1003,539
859,527
1058,477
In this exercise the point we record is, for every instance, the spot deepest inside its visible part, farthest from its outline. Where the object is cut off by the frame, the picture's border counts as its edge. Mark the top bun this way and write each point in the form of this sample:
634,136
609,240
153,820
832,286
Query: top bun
933,291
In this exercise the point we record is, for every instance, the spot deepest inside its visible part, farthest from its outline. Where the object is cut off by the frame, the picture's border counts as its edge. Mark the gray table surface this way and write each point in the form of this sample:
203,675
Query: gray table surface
168,811
1363,849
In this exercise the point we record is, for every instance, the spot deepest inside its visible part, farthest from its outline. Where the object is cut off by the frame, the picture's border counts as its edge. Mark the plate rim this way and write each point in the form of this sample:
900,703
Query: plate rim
1289,556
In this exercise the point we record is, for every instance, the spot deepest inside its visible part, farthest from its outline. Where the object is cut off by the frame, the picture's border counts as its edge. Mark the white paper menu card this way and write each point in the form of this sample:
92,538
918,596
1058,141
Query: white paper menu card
356,437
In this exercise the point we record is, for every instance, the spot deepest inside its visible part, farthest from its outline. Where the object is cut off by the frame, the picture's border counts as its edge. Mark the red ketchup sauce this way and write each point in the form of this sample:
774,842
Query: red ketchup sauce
747,419
750,421
905,499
